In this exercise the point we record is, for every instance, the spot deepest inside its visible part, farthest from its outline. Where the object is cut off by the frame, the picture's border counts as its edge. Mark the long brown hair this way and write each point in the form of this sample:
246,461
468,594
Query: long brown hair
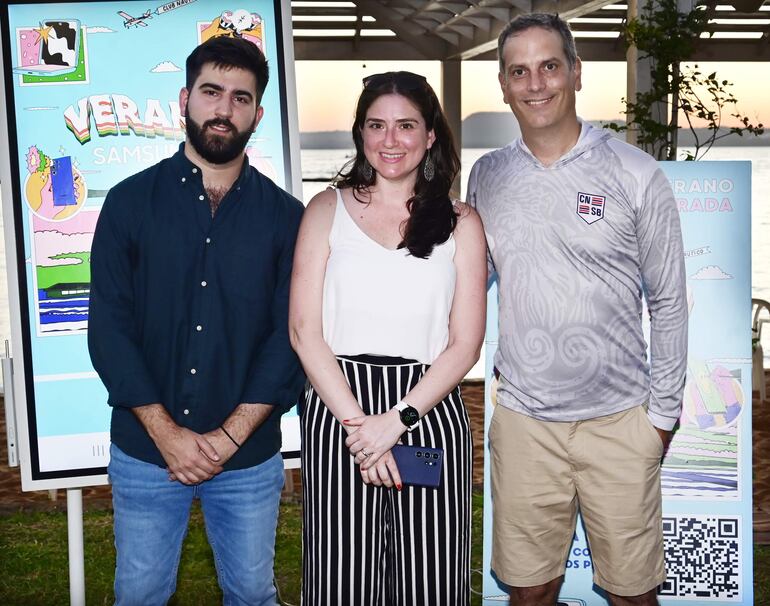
432,217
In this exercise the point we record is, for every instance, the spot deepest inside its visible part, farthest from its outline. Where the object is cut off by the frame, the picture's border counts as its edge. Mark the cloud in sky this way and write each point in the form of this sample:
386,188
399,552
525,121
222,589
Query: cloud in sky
40,108
99,29
711,272
165,66
51,243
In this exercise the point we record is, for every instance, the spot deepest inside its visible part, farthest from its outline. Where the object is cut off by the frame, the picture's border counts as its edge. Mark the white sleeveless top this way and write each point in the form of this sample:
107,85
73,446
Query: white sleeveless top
385,302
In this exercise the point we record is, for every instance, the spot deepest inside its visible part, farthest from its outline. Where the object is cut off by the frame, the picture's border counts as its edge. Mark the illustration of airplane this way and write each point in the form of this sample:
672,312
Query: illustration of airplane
129,21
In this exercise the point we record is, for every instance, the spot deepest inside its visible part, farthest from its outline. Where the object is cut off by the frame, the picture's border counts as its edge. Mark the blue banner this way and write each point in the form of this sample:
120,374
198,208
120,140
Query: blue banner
93,99
706,474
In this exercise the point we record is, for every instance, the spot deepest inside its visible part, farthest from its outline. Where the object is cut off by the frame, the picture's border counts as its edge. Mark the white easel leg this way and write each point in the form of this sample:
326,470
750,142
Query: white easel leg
75,546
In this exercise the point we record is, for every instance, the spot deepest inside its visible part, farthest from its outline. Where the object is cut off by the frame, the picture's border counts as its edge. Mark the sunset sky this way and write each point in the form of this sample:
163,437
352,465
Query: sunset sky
327,90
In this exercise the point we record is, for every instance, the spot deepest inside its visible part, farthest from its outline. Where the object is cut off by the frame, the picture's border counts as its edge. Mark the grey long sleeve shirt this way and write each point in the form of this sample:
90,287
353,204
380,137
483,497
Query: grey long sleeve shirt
576,246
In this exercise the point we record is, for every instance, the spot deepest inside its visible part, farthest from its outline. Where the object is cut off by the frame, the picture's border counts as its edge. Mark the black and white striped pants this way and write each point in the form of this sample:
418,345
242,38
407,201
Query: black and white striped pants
364,545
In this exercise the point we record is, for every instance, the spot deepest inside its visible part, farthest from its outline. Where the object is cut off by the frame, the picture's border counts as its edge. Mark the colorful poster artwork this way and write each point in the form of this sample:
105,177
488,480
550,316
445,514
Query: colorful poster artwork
53,52
54,189
704,460
240,23
95,99
62,261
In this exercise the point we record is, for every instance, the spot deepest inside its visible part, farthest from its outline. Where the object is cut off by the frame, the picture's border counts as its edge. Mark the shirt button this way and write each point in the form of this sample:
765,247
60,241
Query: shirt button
201,197
208,240
193,371
184,179
204,283
199,328
195,170
185,411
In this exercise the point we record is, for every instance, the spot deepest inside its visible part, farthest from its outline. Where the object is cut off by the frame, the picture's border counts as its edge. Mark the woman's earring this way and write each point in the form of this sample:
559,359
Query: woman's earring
367,170
428,169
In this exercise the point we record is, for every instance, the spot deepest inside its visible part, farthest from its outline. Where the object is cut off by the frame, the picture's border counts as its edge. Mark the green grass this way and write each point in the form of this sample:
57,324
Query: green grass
33,560
762,575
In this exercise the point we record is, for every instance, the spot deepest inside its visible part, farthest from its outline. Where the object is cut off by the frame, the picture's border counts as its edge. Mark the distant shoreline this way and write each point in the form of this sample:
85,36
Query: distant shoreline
487,130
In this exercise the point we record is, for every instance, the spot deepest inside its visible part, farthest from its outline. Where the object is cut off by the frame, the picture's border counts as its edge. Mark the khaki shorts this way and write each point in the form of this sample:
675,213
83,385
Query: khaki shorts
542,472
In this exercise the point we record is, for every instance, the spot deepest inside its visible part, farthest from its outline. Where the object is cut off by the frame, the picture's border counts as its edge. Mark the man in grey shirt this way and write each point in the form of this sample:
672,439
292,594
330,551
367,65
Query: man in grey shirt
579,227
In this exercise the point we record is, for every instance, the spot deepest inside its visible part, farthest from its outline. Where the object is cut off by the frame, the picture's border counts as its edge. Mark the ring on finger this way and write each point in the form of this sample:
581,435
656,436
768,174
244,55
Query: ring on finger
366,454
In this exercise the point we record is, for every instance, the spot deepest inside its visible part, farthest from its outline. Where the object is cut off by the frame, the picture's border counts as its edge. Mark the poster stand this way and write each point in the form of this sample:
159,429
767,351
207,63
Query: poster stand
706,472
10,411
89,95
75,552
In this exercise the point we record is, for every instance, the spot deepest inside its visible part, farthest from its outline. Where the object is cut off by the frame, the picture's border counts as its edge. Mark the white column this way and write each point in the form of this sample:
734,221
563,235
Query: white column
639,79
451,101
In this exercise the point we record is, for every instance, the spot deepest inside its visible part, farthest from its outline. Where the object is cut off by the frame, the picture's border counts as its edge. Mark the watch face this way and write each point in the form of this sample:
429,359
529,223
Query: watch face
409,416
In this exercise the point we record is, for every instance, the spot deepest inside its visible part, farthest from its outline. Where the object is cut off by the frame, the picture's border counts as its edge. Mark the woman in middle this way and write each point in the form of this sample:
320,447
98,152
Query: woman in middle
387,315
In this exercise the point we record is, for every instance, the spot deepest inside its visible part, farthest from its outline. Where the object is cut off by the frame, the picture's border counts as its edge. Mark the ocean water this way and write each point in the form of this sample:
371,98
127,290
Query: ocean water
324,163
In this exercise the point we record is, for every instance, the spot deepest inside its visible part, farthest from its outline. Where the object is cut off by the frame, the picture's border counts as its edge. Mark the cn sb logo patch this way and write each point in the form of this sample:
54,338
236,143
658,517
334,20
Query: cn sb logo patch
590,207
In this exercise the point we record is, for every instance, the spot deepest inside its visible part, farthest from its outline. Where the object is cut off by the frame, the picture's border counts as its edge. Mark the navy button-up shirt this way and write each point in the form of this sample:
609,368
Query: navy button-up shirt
191,311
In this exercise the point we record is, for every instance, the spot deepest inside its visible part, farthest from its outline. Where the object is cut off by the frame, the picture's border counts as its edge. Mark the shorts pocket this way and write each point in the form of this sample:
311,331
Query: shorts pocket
492,425
651,431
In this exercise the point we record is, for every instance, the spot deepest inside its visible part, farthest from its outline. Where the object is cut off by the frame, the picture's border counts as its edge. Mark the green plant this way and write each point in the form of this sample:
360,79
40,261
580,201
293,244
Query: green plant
668,37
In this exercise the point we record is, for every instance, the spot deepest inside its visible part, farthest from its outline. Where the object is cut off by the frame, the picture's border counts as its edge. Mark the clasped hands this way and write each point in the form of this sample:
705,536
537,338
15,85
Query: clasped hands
370,438
192,458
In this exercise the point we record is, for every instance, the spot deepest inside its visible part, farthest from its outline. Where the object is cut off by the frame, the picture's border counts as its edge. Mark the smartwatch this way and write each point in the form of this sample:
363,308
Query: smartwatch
409,415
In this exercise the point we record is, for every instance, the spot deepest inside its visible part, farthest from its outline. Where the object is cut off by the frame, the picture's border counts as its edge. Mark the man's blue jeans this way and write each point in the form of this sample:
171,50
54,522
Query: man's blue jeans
240,509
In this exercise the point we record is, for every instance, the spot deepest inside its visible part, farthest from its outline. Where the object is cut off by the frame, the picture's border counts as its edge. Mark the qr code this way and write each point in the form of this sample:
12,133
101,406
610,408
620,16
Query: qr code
703,557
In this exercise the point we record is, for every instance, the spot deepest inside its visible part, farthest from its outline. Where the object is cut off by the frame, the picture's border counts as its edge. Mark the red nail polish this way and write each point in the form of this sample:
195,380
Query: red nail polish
398,486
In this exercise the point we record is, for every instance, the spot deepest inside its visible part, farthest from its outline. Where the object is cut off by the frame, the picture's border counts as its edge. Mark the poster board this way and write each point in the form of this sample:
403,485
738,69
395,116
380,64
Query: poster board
90,96
706,474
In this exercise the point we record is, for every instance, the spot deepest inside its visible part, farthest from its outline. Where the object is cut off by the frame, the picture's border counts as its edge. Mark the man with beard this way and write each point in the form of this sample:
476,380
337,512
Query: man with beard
190,267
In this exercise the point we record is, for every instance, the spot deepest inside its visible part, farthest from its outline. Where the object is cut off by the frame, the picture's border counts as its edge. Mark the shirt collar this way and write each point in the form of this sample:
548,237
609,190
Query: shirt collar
187,170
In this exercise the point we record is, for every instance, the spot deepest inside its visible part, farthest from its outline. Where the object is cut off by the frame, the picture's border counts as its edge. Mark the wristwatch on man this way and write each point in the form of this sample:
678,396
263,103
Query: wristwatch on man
409,415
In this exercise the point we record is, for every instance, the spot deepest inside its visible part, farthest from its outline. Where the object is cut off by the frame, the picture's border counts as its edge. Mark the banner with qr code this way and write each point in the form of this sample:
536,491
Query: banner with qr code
706,474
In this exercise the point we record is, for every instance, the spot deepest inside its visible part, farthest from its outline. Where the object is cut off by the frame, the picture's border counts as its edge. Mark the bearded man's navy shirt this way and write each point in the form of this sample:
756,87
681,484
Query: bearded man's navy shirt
190,310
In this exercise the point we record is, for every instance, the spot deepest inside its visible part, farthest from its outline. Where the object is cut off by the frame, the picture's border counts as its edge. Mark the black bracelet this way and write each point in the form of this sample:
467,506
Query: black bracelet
222,427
